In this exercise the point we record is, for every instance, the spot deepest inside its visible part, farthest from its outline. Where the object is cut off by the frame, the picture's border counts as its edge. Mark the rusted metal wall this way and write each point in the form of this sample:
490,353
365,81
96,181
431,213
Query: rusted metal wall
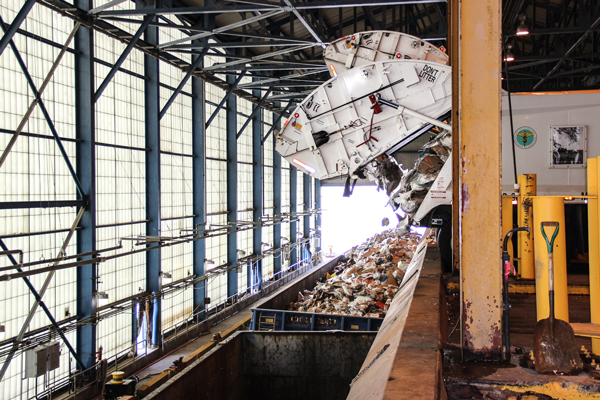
273,366
319,365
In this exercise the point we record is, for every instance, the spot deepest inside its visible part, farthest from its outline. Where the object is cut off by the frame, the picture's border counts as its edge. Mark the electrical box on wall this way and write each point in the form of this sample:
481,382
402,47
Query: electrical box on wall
41,359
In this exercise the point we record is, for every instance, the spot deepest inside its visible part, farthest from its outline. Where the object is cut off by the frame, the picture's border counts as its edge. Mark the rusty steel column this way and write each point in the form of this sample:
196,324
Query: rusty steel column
480,178
453,34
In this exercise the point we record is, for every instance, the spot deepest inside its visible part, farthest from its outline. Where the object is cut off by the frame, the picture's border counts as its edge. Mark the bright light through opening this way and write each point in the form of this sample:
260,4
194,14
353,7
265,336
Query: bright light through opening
308,168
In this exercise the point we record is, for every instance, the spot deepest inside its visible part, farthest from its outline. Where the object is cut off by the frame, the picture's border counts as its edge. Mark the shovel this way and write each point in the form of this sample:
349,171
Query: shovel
554,348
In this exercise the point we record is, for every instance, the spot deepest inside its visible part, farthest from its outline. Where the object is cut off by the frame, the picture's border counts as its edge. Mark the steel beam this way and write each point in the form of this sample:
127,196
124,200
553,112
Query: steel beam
318,207
257,187
216,31
254,112
259,57
232,175
86,171
293,208
152,109
14,26
224,99
304,22
222,9
38,298
199,172
106,6
306,199
14,205
277,121
185,79
480,178
569,52
276,199
122,58
371,18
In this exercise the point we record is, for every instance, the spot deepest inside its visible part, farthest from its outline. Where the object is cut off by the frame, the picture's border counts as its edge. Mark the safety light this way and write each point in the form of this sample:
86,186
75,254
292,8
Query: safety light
286,123
101,299
308,168
353,37
2,332
522,29
398,55
333,71
209,264
296,115
514,201
509,55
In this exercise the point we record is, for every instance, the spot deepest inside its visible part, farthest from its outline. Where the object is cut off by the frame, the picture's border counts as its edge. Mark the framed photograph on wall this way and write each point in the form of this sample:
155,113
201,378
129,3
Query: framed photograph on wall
568,146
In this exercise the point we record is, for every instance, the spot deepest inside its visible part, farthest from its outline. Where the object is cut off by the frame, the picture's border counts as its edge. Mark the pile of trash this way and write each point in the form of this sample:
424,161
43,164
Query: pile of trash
415,184
365,280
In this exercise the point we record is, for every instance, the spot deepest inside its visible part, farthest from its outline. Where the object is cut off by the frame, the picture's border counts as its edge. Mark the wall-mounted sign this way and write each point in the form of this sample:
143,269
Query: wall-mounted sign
525,137
568,146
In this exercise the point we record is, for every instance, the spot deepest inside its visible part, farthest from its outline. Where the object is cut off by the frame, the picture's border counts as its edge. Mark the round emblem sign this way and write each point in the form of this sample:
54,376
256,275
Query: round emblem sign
525,137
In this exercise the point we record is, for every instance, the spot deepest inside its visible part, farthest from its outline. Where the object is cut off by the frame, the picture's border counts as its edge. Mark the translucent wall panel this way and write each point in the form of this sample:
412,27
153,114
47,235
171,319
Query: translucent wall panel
176,187
36,171
216,250
178,261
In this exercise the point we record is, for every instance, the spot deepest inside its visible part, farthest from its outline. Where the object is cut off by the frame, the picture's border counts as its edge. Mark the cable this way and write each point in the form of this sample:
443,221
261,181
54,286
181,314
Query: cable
510,114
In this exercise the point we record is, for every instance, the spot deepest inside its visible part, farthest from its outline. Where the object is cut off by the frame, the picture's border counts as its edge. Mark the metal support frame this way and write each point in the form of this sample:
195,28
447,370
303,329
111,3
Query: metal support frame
16,23
38,298
257,186
254,112
86,171
41,293
47,117
276,201
153,257
480,179
293,209
318,207
232,208
568,52
122,57
277,121
307,204
224,99
185,79
39,93
199,172
213,32
13,205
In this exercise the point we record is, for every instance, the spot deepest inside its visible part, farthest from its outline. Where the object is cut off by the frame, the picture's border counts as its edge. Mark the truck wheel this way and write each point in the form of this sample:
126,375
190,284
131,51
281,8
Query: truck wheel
444,240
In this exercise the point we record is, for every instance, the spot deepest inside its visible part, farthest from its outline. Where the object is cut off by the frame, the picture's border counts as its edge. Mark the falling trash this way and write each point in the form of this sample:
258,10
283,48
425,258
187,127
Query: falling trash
366,279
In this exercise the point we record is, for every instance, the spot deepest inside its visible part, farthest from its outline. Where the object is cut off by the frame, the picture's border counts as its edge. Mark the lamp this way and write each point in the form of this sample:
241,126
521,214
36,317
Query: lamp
509,55
2,332
101,299
209,264
522,29
165,278
241,253
265,247
284,240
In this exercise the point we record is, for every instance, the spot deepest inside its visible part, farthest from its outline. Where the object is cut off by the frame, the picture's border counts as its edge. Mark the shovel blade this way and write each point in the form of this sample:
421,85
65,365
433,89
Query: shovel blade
554,348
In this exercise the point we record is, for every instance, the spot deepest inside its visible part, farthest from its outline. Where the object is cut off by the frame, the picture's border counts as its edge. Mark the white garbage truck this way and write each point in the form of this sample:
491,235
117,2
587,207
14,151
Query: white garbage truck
386,90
